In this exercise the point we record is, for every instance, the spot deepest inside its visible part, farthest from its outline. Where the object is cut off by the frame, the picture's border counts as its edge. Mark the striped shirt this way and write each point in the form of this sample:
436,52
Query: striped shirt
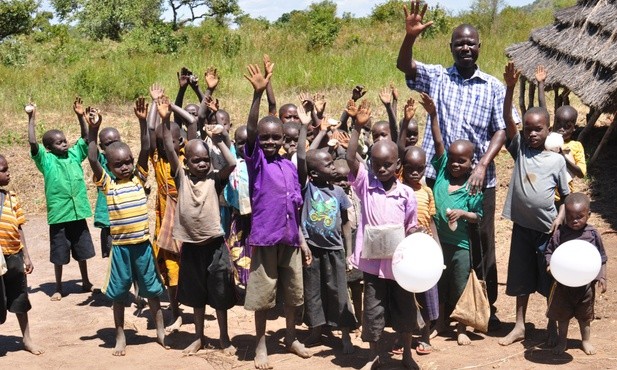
426,206
12,218
470,109
127,206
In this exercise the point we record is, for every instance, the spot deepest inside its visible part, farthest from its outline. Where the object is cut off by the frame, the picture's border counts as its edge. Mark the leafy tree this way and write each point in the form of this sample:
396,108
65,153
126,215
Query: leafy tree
100,19
323,25
219,10
484,13
390,11
16,17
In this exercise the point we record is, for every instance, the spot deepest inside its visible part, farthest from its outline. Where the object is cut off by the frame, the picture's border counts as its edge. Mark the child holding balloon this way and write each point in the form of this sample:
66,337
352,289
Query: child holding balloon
567,302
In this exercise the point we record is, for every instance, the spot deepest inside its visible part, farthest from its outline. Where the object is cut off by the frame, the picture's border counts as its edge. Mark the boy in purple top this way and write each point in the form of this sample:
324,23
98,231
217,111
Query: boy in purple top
385,202
275,238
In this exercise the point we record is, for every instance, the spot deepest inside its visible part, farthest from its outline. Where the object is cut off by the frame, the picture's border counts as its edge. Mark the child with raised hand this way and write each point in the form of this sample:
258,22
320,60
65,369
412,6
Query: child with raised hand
530,205
387,97
274,237
385,202
205,267
13,284
565,302
66,197
455,209
325,226
408,136
131,258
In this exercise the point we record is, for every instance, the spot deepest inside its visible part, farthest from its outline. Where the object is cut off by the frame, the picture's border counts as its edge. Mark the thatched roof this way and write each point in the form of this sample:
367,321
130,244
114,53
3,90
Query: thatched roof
579,51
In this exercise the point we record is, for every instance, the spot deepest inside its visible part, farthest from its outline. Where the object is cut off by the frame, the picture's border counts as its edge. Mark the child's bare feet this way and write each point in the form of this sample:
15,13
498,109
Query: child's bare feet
375,364
462,339
560,347
160,337
588,348
408,360
194,347
517,334
227,347
261,356
35,350
299,349
175,326
120,348
56,296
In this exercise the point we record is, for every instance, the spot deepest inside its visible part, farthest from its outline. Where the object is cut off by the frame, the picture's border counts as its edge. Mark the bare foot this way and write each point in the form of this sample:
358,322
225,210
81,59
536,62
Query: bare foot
33,348
120,348
261,357
408,360
193,347
588,348
299,349
560,347
462,339
175,326
517,334
160,337
375,364
56,296
228,348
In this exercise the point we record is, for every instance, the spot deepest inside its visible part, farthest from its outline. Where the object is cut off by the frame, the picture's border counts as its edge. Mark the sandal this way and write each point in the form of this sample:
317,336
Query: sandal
396,350
423,348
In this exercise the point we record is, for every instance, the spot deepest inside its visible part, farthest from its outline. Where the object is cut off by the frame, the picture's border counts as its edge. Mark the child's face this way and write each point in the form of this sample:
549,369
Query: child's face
384,159
412,134
223,117
459,159
240,138
192,109
290,114
271,138
5,175
59,146
323,168
565,127
120,162
577,215
380,131
341,176
176,139
535,130
197,159
413,168
108,137
291,139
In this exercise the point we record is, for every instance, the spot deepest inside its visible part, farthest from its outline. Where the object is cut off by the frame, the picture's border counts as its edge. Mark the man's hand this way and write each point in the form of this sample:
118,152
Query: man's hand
475,184
141,108
511,75
29,267
413,19
78,106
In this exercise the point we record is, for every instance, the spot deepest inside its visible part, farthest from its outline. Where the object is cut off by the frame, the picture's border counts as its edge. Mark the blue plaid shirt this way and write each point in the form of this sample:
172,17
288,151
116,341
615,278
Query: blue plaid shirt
470,109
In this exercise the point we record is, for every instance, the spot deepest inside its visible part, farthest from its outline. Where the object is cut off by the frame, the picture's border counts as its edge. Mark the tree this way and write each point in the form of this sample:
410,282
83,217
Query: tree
219,10
485,12
324,26
17,17
100,19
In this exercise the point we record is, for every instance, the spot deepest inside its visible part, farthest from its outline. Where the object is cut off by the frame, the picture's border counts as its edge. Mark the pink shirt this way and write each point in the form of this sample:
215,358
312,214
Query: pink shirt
399,206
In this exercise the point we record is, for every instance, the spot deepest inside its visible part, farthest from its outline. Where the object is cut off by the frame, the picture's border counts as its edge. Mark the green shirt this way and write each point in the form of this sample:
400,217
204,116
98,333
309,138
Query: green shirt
458,199
101,214
65,188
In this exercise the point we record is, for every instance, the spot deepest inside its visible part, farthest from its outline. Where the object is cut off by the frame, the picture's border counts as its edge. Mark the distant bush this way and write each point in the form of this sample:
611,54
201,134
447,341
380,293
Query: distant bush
13,53
323,25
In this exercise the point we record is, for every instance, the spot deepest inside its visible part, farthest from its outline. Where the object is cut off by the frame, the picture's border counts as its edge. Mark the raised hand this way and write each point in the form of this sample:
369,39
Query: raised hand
385,95
540,73
364,113
511,75
162,106
212,77
414,17
357,92
141,108
351,108
394,91
256,79
428,104
307,102
268,65
320,103
93,117
184,77
305,118
78,106
156,91
410,109
212,104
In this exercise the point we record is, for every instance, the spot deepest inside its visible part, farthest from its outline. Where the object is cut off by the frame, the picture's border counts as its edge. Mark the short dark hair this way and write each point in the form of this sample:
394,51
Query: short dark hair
578,198
117,146
48,137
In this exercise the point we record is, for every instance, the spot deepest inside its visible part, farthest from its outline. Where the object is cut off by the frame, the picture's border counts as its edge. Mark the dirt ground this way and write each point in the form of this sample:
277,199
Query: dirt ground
77,332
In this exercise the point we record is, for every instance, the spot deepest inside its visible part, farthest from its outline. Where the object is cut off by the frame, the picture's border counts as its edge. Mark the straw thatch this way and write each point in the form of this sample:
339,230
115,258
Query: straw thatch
579,51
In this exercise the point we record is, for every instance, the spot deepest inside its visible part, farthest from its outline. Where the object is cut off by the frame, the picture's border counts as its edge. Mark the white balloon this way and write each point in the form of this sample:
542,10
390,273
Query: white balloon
417,263
575,263
553,142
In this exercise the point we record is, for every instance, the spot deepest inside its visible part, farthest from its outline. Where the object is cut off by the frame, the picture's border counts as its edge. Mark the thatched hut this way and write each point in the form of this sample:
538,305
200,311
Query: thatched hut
579,51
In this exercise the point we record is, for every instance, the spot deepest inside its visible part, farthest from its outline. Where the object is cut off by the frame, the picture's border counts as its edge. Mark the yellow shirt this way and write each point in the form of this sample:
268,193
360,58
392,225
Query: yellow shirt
12,218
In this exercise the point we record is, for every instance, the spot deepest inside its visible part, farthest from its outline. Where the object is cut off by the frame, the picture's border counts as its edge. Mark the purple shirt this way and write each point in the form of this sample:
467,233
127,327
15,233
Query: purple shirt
399,206
275,198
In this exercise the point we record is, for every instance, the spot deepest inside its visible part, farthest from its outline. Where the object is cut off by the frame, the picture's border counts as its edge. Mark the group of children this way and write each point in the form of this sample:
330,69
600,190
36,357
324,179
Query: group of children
296,209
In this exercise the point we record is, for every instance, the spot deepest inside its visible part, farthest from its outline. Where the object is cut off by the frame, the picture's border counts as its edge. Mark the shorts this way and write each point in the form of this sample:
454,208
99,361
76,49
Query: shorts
387,304
566,302
106,241
429,303
205,275
128,263
527,264
15,284
70,238
326,300
271,266
169,266
454,278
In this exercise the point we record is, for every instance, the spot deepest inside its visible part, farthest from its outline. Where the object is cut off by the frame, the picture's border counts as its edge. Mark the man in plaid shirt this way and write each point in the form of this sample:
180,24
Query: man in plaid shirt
469,106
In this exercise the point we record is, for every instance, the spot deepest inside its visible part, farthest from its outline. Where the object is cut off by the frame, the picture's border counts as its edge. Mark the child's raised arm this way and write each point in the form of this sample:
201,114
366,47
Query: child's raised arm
540,78
156,91
34,145
409,113
394,92
184,76
165,112
78,108
510,77
259,83
212,80
141,111
429,105
356,94
194,84
94,123
305,120
220,141
386,98
268,69
361,117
